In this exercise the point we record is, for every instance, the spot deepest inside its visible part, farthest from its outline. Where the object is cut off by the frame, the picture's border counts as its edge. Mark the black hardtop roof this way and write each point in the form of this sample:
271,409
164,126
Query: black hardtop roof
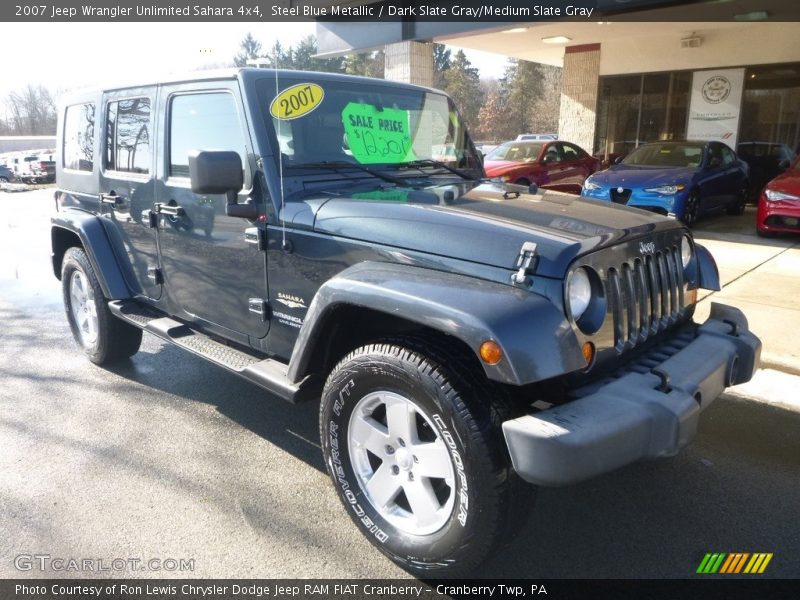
244,74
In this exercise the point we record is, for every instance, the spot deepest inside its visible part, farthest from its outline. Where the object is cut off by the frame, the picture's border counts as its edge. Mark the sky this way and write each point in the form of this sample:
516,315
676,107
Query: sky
64,56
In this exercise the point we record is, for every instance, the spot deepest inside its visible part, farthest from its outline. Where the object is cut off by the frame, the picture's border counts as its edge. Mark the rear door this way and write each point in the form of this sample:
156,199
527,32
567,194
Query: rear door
127,188
555,167
212,277
576,167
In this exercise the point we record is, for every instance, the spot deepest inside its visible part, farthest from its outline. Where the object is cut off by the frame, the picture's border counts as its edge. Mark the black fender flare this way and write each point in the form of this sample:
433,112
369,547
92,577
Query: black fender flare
94,239
707,268
537,340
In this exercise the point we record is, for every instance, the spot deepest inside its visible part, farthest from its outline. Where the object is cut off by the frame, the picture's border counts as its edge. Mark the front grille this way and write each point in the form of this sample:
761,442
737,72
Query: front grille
645,296
620,197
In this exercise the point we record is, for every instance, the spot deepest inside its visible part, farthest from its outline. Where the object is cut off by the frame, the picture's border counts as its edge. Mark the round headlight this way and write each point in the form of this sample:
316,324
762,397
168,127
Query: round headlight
579,293
686,251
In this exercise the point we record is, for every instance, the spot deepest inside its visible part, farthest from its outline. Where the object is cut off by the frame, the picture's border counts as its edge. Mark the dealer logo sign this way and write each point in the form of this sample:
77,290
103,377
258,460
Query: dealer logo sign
716,89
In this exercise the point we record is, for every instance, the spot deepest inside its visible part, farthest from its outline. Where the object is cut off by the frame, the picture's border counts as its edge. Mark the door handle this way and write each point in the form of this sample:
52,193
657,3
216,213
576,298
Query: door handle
170,209
111,198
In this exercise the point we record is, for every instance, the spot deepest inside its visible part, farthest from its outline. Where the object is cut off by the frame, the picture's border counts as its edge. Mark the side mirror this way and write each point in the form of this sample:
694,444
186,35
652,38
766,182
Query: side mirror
784,164
220,172
618,160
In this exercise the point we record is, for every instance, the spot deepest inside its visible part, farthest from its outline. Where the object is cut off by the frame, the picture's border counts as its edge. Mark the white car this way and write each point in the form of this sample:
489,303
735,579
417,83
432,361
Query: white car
537,137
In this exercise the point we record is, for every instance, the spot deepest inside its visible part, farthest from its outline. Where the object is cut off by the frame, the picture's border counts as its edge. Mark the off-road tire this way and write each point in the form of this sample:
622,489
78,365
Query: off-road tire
466,410
115,339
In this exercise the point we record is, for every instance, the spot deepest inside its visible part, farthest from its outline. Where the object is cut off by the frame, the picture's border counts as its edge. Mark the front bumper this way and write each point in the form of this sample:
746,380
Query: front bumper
640,413
778,215
640,199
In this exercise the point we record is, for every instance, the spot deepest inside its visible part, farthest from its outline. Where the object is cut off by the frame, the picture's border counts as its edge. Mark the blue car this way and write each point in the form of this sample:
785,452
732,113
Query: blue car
679,179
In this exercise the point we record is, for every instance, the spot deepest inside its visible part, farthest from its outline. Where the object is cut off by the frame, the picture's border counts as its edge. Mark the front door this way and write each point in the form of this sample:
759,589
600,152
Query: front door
212,277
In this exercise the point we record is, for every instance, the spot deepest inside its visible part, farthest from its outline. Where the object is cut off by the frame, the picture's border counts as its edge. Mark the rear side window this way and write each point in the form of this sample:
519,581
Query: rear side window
128,136
202,122
79,137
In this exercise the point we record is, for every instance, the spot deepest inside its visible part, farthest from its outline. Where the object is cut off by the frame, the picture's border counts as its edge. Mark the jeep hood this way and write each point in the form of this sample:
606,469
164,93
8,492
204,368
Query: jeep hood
483,227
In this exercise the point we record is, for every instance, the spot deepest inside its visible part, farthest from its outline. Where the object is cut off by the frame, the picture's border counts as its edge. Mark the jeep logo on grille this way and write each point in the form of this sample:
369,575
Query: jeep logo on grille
647,247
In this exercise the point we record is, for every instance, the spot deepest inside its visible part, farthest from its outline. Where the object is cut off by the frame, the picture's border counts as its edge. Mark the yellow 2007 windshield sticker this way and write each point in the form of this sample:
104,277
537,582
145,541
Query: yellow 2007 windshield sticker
296,101
377,135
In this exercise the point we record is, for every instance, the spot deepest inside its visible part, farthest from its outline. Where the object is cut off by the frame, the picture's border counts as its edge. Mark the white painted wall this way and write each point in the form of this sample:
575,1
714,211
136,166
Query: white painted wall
723,45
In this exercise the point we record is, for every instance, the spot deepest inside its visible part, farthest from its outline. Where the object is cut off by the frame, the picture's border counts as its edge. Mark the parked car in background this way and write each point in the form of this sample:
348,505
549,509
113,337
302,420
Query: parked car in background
553,165
680,179
779,204
616,152
486,147
537,137
39,170
766,161
6,174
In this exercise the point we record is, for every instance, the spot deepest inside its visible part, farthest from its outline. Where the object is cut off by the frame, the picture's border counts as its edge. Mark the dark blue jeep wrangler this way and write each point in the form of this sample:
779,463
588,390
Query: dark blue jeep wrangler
301,230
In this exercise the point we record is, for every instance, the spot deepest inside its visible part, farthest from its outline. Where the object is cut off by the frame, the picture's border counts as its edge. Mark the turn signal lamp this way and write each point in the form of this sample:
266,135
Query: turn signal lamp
588,352
491,352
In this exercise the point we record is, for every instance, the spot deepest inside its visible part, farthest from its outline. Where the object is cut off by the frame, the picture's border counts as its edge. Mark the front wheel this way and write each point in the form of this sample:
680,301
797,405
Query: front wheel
102,336
416,455
691,209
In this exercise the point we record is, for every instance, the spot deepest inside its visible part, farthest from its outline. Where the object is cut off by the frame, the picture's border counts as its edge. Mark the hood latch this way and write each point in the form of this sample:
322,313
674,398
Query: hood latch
526,261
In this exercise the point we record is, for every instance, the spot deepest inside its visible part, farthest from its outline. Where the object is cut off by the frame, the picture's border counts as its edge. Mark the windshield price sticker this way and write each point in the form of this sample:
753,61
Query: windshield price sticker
377,135
383,195
296,101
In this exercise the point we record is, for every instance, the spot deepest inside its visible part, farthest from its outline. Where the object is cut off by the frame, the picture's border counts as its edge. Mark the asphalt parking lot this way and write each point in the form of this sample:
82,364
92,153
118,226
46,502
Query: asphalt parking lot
168,457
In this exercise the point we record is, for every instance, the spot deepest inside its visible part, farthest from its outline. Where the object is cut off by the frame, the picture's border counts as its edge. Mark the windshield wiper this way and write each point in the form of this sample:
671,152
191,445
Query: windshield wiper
338,165
429,162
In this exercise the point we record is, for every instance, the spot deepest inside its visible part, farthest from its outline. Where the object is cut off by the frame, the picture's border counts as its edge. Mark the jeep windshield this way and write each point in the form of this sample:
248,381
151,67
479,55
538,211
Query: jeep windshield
388,131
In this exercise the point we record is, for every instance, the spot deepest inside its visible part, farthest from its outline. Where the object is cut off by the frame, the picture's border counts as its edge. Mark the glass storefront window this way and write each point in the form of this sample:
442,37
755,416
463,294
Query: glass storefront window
634,109
771,106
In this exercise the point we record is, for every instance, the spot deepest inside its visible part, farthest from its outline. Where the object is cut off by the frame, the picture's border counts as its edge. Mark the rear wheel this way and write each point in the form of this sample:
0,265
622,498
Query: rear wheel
416,454
736,207
102,336
691,209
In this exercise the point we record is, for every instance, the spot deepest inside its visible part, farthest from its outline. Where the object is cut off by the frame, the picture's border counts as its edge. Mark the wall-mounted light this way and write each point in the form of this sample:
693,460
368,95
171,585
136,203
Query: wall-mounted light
516,30
556,39
756,15
691,41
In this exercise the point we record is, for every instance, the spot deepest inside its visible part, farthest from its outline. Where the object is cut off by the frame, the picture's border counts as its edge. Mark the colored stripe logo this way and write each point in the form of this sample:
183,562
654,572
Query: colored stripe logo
734,563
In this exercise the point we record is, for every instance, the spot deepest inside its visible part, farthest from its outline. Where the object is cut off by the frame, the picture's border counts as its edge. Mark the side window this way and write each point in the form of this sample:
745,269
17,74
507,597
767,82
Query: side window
79,137
570,152
552,154
128,136
727,156
202,122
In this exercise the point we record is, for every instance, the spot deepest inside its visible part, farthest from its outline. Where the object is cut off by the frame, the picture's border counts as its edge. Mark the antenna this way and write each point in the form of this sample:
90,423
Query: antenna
284,245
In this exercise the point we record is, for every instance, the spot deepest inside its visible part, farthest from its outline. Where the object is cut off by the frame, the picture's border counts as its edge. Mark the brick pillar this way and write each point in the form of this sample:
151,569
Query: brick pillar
410,62
578,116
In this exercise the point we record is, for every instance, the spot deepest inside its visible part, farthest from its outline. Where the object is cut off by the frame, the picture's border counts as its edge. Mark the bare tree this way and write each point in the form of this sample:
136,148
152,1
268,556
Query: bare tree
31,111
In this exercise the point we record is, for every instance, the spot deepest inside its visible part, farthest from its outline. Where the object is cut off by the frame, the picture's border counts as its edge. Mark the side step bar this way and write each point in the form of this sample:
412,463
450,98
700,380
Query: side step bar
265,372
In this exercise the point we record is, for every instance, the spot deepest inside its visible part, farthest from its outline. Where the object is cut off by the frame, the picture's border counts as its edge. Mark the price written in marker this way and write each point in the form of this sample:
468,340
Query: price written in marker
377,135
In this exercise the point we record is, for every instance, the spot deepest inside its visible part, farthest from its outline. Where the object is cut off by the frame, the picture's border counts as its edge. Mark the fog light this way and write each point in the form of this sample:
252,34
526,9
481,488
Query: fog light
588,352
491,352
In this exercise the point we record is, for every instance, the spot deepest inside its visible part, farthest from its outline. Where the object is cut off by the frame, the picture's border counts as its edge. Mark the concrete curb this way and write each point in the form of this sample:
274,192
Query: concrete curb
770,386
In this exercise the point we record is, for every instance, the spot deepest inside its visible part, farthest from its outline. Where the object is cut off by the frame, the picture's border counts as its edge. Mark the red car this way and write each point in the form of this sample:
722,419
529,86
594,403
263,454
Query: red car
779,204
553,165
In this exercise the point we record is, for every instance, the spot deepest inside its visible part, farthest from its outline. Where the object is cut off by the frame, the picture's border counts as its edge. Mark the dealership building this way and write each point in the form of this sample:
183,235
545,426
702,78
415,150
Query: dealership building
731,73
